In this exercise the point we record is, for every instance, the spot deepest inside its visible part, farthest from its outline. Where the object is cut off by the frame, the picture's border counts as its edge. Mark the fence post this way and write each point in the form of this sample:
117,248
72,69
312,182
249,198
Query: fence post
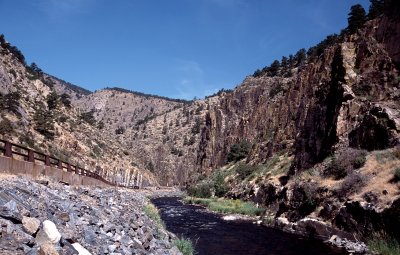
68,167
47,160
60,164
8,149
31,156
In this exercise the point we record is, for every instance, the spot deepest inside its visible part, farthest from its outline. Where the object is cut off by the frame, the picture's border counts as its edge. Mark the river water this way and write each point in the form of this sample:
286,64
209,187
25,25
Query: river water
214,236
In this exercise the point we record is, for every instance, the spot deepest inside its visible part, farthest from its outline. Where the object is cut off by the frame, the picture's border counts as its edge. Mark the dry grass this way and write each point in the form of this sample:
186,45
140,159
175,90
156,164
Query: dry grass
379,167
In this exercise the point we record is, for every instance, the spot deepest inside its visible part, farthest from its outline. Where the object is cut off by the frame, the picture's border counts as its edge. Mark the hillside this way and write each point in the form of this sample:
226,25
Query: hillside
38,112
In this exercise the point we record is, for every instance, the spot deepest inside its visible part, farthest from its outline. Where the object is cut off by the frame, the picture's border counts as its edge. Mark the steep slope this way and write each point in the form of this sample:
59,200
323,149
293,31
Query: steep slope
324,138
35,115
334,98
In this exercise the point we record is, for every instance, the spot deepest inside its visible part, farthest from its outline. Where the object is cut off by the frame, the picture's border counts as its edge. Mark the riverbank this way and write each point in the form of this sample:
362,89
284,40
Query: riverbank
212,233
235,209
44,217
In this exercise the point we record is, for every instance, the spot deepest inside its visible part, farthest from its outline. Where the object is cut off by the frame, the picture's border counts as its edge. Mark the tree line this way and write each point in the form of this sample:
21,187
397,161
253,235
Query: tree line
356,19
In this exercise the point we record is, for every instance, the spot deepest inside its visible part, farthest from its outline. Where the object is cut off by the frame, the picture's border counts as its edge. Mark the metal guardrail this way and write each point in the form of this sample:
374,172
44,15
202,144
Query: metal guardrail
29,155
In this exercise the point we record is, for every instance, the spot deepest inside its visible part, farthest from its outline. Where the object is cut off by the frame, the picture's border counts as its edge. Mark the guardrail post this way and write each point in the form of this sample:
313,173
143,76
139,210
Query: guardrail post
69,168
76,170
31,156
8,149
47,160
60,164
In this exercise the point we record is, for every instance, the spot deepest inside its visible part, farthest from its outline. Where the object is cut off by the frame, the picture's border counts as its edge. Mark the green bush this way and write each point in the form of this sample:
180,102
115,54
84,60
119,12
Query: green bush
244,170
239,151
184,245
381,243
152,212
227,205
219,184
10,102
44,123
202,190
52,100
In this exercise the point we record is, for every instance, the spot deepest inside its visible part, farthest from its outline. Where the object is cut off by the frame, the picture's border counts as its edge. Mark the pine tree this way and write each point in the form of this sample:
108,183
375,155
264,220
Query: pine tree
52,100
356,19
300,57
376,8
273,70
284,62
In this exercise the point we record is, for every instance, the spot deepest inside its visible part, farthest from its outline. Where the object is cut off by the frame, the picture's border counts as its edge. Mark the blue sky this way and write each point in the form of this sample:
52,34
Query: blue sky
174,48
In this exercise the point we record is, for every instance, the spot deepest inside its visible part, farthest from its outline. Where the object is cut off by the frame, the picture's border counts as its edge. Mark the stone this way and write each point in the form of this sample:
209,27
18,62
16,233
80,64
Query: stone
10,211
80,249
47,249
48,233
112,247
30,225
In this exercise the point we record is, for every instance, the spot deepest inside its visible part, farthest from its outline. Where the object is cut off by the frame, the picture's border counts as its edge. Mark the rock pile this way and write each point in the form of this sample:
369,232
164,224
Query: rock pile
52,218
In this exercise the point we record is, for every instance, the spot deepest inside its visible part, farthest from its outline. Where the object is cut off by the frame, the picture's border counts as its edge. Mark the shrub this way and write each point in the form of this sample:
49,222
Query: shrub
196,127
151,211
10,102
396,152
381,243
219,184
52,100
343,164
6,127
201,190
65,100
88,117
275,90
352,184
397,174
244,170
184,245
120,131
239,151
227,205
44,123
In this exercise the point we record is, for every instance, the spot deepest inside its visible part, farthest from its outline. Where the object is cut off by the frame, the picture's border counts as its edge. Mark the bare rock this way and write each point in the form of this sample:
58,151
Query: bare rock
47,249
80,249
30,225
48,233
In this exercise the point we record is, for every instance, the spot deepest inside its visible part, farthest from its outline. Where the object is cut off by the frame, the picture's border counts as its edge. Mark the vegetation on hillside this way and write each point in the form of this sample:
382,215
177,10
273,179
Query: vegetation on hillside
148,95
356,19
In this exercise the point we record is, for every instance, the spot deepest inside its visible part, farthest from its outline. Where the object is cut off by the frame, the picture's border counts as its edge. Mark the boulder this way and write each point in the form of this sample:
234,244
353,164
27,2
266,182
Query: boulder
48,233
30,225
47,249
80,249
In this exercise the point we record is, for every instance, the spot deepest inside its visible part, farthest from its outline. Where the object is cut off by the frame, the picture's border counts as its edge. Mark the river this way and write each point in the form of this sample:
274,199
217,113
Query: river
212,235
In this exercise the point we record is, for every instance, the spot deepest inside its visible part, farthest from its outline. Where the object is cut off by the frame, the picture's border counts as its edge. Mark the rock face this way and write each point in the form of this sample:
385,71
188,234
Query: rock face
98,220
348,95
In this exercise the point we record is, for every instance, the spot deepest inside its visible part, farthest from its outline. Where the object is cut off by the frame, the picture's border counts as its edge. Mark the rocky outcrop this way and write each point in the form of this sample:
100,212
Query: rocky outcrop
331,101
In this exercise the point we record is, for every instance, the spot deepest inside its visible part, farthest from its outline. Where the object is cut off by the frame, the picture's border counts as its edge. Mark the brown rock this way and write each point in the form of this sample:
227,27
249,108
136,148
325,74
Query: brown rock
30,225
47,249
